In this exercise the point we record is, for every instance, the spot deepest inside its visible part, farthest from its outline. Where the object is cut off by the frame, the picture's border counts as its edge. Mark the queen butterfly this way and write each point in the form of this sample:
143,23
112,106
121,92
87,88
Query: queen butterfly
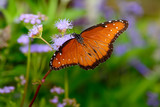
89,48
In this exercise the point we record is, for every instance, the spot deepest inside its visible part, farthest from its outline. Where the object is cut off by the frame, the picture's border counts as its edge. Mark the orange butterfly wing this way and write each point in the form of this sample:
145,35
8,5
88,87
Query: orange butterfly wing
97,46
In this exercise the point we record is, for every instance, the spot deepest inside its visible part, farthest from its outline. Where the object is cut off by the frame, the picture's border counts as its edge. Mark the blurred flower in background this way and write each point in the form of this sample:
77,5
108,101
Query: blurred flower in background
54,100
140,67
57,90
153,100
36,48
23,39
121,49
32,19
130,11
21,79
7,89
3,3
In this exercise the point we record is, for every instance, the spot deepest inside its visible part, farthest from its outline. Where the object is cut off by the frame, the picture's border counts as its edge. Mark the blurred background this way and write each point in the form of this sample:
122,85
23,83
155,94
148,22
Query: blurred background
130,78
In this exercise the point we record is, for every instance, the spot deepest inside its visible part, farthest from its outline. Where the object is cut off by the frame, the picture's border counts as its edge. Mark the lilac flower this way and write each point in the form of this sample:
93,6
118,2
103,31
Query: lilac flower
36,31
121,49
64,24
36,48
129,11
153,100
140,67
32,19
70,102
60,40
154,31
57,90
54,100
60,105
3,3
7,89
131,8
23,81
106,10
79,4
23,39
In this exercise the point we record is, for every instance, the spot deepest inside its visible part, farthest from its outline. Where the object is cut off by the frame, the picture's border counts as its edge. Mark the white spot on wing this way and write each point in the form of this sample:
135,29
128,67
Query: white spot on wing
59,62
106,26
116,27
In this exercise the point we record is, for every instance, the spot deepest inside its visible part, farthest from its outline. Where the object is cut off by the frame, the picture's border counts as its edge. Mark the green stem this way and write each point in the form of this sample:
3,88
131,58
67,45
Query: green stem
46,42
66,84
27,73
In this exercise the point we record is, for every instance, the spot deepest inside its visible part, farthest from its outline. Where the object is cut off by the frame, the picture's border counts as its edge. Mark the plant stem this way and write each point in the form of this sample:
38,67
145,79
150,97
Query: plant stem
27,73
39,86
66,84
46,42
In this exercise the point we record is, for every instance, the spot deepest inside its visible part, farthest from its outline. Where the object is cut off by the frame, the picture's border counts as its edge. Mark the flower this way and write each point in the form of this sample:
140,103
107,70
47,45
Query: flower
140,67
121,49
153,99
129,11
54,100
36,31
60,40
23,39
131,8
70,102
57,90
36,48
32,19
7,89
62,25
3,3
60,105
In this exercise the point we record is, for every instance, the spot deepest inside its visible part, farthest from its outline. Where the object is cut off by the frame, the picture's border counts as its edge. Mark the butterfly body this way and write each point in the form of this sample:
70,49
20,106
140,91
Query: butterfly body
89,48
78,37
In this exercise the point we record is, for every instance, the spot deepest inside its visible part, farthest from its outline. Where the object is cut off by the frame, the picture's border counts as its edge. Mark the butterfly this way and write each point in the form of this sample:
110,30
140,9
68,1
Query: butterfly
89,48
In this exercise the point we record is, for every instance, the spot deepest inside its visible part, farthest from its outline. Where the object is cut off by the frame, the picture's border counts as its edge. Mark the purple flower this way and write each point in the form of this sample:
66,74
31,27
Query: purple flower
154,31
140,67
23,39
23,81
32,19
130,14
64,24
60,105
121,49
153,100
36,48
57,90
36,31
54,100
3,3
79,4
60,40
106,10
7,89
131,8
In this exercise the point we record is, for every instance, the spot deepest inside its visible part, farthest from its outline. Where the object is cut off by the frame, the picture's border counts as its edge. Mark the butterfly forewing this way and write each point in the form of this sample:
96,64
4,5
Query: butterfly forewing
96,47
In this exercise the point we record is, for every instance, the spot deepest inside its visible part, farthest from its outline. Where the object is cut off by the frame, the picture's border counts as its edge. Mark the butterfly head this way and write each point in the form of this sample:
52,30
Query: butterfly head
78,37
